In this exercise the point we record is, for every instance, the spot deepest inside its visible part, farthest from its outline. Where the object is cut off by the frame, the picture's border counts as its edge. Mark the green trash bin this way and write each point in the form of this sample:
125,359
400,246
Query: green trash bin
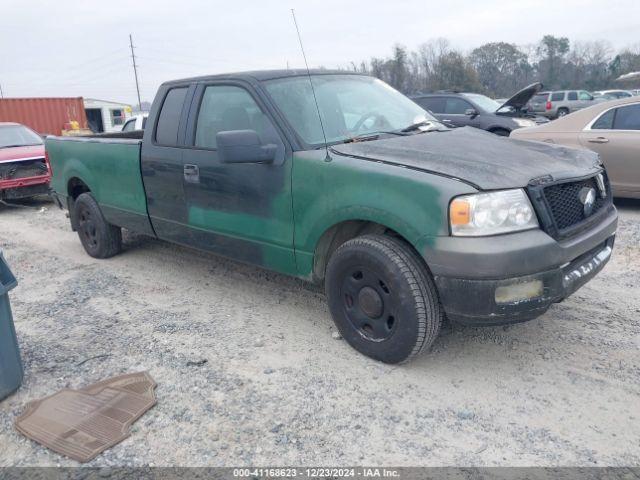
10,363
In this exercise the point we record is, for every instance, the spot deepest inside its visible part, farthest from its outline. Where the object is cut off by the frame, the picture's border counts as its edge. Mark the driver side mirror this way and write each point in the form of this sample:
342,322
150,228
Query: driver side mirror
244,146
471,112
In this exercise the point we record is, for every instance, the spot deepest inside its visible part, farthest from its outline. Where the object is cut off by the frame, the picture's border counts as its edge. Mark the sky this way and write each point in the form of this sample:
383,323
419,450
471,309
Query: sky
81,48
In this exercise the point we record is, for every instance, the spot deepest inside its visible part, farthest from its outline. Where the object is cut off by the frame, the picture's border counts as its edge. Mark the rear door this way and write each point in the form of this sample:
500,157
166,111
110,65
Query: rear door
615,135
243,211
572,102
162,166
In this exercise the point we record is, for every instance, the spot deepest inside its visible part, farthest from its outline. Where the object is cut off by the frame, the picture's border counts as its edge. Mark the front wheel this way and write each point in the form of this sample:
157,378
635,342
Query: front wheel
382,298
99,238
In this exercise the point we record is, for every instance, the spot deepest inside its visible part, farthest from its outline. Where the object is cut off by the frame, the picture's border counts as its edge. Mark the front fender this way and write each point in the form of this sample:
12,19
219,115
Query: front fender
411,202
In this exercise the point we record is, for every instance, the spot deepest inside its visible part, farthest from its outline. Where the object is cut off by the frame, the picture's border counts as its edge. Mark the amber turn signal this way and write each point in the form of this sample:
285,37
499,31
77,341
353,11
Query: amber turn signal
460,212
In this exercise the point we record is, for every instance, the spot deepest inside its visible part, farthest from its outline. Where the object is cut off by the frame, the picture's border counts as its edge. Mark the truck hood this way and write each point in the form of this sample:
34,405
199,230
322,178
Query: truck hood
479,158
13,154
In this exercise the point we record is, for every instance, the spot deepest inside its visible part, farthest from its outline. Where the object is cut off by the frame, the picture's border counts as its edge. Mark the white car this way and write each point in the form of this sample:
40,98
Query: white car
137,122
613,94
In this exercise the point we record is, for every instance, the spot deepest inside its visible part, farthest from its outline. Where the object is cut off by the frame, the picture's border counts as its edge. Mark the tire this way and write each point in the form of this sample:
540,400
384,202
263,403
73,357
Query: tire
99,238
382,298
562,112
501,132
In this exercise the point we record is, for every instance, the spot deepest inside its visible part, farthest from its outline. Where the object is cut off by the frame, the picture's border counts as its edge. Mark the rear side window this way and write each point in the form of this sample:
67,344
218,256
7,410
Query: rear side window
572,96
540,97
605,122
169,119
433,104
627,118
456,106
557,96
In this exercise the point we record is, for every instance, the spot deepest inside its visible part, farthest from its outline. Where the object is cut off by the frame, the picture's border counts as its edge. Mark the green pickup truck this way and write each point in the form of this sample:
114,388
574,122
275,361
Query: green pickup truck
337,178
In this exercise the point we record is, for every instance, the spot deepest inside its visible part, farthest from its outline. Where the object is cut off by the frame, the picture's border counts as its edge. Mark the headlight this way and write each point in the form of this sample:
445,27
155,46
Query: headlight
491,213
523,122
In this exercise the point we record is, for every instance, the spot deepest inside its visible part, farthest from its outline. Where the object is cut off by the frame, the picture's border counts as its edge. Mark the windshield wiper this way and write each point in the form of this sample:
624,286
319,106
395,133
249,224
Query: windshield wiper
429,126
365,137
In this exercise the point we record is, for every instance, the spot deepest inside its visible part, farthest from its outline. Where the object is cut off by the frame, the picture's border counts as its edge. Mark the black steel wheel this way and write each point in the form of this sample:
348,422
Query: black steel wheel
99,238
382,298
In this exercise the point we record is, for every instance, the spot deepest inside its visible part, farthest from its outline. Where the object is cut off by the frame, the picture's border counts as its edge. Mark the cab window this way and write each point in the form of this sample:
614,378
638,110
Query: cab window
224,108
169,119
129,126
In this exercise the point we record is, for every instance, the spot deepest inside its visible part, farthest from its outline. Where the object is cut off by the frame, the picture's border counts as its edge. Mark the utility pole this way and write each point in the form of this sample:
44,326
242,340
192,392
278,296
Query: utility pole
135,71
1,92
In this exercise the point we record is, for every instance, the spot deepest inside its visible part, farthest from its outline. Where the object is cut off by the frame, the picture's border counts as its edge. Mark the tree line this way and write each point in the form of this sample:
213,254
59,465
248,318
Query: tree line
499,69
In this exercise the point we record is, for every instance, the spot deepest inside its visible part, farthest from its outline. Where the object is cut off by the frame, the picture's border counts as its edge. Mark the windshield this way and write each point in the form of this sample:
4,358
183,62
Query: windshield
484,102
18,136
350,105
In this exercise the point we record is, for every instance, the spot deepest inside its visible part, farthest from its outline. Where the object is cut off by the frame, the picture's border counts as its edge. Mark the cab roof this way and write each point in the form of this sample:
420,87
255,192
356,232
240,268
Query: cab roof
263,75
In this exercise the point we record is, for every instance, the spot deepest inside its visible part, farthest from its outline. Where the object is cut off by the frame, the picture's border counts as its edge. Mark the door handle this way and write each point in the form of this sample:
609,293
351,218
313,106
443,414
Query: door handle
598,140
191,173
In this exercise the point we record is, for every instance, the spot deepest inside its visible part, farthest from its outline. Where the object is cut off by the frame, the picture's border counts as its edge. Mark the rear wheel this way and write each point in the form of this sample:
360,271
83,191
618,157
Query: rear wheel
99,238
562,112
382,298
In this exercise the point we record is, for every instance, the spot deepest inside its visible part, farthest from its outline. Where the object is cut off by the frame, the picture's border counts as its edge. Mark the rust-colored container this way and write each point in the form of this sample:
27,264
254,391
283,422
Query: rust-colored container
44,115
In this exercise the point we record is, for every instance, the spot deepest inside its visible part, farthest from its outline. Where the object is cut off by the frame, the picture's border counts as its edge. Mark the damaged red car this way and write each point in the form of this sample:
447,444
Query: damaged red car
24,168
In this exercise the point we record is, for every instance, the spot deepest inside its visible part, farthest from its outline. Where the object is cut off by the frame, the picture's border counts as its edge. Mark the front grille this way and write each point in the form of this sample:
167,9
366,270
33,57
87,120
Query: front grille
564,202
23,169
560,209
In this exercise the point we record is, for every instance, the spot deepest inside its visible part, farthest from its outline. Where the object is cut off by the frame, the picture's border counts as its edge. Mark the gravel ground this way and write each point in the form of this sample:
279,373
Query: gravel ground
278,387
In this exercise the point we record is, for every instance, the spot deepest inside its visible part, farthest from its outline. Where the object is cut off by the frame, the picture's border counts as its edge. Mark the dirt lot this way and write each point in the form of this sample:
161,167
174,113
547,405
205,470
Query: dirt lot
278,388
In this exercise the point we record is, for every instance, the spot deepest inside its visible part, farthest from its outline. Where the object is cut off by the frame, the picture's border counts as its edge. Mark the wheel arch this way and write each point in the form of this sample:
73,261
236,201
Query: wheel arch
339,233
494,128
75,187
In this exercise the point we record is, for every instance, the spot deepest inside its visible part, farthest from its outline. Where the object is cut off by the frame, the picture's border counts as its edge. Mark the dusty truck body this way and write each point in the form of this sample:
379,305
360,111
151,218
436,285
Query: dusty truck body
402,219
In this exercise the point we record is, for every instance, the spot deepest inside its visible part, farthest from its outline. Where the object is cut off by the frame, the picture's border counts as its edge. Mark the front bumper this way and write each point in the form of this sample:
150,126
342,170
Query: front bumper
469,271
15,193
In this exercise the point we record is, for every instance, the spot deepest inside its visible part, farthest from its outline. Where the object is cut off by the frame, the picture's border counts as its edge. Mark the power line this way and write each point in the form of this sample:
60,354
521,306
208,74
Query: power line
135,71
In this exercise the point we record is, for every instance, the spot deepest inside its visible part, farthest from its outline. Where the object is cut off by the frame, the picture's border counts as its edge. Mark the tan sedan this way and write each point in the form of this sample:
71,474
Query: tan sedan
611,129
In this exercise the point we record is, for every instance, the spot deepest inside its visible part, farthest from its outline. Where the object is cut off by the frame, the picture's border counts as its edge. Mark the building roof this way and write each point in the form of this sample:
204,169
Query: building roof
97,100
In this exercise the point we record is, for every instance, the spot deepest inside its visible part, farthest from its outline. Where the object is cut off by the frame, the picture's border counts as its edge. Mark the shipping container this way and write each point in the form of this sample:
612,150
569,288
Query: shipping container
47,116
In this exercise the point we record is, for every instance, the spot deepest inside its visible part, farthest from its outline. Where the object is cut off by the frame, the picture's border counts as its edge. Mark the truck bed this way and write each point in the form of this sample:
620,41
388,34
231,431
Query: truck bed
109,166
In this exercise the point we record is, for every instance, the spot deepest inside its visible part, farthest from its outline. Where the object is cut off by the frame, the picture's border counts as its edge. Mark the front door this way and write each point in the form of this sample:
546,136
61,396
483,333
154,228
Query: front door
615,135
456,112
242,211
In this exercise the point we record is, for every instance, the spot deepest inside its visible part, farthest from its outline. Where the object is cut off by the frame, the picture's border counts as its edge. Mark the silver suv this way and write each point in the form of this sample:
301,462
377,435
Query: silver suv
560,102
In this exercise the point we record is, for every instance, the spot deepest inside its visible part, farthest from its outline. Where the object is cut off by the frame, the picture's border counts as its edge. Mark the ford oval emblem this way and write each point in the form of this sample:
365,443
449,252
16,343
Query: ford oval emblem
587,197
